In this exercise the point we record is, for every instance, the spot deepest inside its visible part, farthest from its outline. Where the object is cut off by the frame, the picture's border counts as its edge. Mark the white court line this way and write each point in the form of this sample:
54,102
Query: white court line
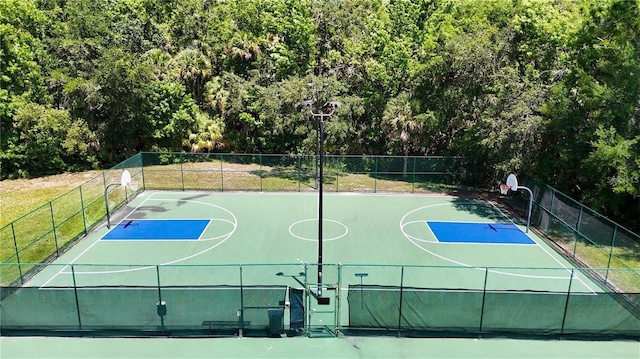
456,290
308,193
227,235
411,239
572,271
200,239
205,229
85,251
465,243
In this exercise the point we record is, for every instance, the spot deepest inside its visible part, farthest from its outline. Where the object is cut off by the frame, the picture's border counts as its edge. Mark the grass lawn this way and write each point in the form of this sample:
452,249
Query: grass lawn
22,196
18,197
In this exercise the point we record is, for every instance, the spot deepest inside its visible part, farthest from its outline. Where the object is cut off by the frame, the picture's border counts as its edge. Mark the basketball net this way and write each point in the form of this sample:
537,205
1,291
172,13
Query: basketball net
504,188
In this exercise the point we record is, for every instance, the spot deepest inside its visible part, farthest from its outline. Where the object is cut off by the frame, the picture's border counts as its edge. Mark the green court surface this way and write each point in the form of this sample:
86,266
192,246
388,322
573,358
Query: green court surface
370,233
349,347
252,264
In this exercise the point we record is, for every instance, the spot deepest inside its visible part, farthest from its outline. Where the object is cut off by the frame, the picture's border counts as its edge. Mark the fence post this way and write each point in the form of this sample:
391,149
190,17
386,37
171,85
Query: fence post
579,219
53,228
575,243
413,176
484,294
307,300
260,171
375,175
400,304
221,175
142,170
338,299
553,199
181,171
159,298
15,244
84,215
241,311
75,292
613,242
337,173
298,169
566,303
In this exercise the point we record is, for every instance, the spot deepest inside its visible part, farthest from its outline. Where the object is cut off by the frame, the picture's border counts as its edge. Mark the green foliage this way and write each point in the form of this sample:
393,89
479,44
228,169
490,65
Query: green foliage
49,141
528,85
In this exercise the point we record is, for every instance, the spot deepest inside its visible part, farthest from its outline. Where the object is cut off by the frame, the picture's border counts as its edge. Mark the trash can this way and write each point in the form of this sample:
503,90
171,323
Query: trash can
276,322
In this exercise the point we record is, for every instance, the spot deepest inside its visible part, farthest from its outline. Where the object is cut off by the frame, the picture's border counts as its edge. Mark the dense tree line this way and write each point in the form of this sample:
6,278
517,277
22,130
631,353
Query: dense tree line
547,87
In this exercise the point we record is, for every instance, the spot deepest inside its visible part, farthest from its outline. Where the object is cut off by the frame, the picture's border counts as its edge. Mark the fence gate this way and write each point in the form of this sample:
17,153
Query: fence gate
322,310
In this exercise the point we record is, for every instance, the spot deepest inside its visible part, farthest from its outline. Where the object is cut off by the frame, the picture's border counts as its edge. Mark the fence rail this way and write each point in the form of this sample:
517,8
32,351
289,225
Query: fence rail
44,233
595,243
268,299
584,236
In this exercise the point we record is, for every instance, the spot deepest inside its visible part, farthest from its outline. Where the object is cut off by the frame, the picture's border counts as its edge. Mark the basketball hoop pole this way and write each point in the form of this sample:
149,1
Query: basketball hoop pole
530,204
125,180
106,201
327,110
512,183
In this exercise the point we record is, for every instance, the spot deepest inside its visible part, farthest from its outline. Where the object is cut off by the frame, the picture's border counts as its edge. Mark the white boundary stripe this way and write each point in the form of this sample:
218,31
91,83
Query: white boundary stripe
457,290
545,250
225,237
346,230
120,240
83,252
187,287
411,239
466,243
200,239
308,194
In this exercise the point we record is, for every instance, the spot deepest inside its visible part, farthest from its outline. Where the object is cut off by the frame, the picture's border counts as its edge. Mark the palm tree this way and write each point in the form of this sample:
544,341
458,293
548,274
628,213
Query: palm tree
192,67
399,122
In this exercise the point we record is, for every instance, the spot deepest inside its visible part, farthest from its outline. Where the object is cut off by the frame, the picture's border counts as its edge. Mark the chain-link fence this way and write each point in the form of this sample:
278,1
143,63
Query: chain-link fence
404,299
285,299
582,235
46,232
251,172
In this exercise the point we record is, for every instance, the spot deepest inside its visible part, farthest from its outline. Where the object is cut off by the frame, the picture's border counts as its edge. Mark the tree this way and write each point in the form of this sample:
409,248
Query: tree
403,127
50,142
193,69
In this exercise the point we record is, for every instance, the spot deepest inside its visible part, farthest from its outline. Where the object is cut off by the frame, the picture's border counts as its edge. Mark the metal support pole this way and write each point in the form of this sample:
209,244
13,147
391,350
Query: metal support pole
530,205
240,312
106,200
15,244
320,194
328,109
84,215
53,228
75,292
400,304
484,294
160,302
566,303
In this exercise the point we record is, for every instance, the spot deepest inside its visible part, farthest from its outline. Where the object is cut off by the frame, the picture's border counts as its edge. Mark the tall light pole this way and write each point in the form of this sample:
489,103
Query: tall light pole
327,110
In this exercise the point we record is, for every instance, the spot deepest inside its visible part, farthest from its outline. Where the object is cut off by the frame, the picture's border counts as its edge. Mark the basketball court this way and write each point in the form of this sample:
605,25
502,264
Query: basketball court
195,230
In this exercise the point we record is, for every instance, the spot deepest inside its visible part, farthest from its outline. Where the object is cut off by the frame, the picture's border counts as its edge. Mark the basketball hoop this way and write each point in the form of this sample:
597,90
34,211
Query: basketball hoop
504,188
125,179
133,186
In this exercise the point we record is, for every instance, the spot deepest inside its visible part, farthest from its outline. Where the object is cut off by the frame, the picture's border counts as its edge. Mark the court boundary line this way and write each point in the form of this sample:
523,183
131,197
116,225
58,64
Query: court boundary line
409,237
143,267
306,193
154,239
324,239
200,239
88,248
466,243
